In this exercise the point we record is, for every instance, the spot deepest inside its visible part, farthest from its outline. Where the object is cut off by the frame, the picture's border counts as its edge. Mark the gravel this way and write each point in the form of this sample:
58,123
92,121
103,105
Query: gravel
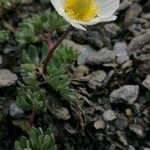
120,49
109,115
7,78
146,82
15,111
103,56
126,94
138,130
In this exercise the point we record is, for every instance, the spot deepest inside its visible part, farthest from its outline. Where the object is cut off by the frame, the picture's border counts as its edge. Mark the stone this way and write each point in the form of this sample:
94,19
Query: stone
126,94
99,124
146,148
109,115
122,138
120,49
59,111
133,12
136,108
131,147
112,30
1,60
95,79
124,5
101,57
121,122
95,40
7,78
9,49
81,71
15,111
146,16
138,130
128,112
138,42
146,82
85,52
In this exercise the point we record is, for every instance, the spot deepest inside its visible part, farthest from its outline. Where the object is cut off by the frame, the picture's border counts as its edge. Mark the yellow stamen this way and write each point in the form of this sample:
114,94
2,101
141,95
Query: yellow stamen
81,10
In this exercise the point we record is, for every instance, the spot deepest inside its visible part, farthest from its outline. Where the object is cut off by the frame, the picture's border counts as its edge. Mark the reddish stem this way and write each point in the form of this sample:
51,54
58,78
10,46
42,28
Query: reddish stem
51,51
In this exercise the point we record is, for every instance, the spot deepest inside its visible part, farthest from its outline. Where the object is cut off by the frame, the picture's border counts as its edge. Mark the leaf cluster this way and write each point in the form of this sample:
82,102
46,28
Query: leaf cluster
36,140
57,76
29,95
4,35
30,29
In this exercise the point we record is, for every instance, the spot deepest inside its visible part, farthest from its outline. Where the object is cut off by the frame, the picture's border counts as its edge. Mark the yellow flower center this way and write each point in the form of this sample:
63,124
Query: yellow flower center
81,10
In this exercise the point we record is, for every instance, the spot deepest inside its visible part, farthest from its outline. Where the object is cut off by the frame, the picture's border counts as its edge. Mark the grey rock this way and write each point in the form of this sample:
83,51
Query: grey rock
136,108
124,5
7,78
131,147
146,82
138,130
108,78
109,115
103,56
127,65
15,111
138,42
120,49
121,122
95,40
112,30
146,16
94,79
99,124
132,12
59,111
85,52
125,94
9,49
1,60
146,148
122,138
81,71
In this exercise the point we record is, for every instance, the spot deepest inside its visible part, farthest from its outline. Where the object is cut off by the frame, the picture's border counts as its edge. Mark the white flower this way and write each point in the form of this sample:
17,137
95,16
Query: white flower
80,13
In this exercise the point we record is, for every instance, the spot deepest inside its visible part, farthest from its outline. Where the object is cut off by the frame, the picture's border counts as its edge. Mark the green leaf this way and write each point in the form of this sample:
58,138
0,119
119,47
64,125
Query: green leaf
33,55
45,50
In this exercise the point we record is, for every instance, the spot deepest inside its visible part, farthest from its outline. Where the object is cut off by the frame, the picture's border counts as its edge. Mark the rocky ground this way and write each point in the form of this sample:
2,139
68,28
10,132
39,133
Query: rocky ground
111,79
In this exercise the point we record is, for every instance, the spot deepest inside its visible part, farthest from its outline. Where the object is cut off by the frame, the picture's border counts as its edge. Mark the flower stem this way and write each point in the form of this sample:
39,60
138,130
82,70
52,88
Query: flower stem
51,51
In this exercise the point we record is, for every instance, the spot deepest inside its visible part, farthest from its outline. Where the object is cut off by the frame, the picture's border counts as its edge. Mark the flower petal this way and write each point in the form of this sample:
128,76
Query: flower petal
107,7
77,25
74,23
59,6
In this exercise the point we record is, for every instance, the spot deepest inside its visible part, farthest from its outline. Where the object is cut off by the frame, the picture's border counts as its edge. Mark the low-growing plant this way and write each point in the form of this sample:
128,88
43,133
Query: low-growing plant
36,140
4,35
30,95
30,29
57,76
